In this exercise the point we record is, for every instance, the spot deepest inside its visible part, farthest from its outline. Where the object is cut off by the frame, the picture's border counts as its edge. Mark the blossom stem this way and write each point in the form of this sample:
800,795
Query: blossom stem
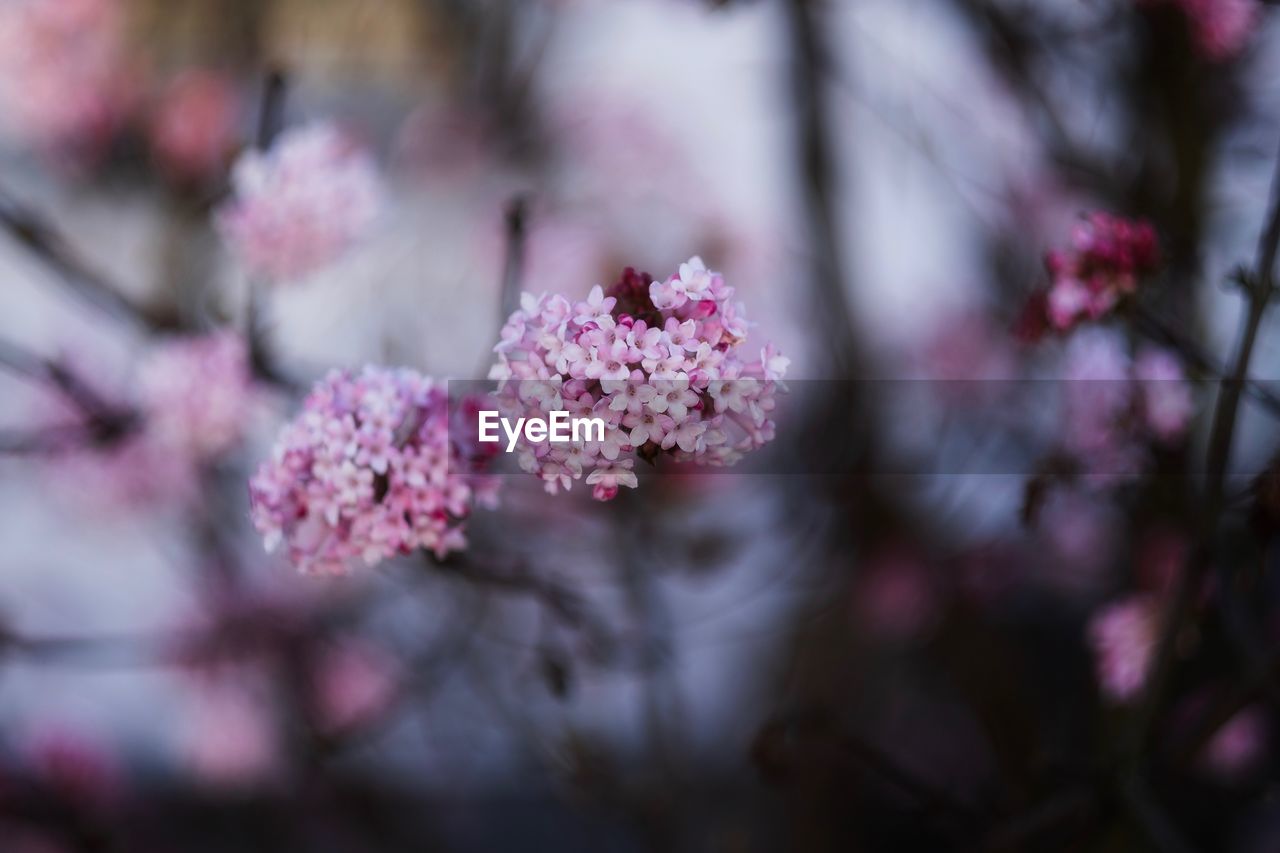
517,217
271,110
270,123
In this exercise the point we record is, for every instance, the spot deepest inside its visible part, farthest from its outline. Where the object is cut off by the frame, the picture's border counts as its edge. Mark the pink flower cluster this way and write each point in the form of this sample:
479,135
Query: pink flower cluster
193,398
1220,29
661,362
1108,256
61,80
368,471
198,393
301,205
1123,636
1114,407
193,129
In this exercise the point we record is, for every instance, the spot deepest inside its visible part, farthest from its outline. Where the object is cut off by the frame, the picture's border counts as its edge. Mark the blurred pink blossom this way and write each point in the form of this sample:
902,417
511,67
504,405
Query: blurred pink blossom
1108,257
1239,746
197,393
77,766
1165,396
193,129
300,206
230,738
1123,636
1220,29
354,682
1080,533
965,347
62,80
1113,406
367,471
191,402
895,596
1097,402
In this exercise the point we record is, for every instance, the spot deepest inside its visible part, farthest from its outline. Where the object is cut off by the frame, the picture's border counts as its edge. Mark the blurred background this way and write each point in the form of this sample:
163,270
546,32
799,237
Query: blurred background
818,652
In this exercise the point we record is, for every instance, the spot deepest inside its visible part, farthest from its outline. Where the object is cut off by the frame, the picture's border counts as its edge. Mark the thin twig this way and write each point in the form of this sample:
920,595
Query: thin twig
1260,289
1152,327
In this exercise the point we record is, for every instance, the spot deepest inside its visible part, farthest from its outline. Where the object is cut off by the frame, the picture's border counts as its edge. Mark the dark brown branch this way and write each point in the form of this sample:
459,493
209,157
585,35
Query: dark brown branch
811,59
42,239
1260,289
517,220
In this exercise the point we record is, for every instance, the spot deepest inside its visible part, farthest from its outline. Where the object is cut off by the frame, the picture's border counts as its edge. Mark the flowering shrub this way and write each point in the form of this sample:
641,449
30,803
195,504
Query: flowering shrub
301,205
368,471
661,362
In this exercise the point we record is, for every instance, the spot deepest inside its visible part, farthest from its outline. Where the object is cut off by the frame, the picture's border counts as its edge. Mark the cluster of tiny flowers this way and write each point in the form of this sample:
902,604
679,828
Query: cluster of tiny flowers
60,77
660,362
198,392
1108,257
1114,406
1220,29
1123,636
301,205
368,471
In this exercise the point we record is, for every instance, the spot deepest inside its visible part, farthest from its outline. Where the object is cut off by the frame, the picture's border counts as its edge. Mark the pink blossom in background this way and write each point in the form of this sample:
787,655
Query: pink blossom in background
1239,746
197,393
1165,397
367,471
1220,29
78,766
230,737
190,403
1108,257
1080,533
1123,636
1097,403
300,206
130,473
1113,407
895,596
965,347
663,362
354,682
62,82
194,125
